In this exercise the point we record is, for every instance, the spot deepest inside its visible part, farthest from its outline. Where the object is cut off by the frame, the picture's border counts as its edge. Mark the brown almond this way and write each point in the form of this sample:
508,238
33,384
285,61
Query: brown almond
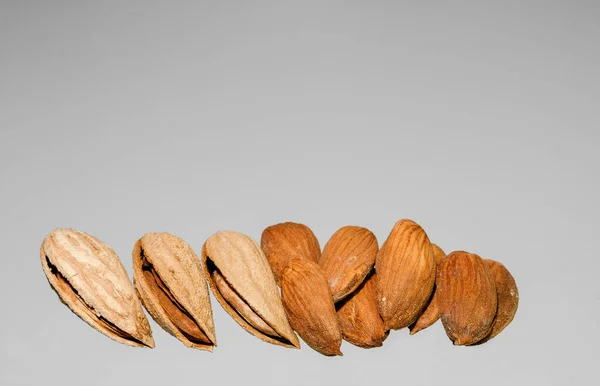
309,306
432,311
241,279
359,318
405,274
507,297
170,282
284,241
347,259
467,298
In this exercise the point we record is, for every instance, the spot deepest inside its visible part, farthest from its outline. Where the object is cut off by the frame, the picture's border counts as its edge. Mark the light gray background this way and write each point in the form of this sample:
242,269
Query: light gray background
478,121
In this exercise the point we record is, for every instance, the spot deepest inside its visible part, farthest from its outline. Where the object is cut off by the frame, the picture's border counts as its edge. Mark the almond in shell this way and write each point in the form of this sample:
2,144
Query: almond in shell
89,278
170,282
241,279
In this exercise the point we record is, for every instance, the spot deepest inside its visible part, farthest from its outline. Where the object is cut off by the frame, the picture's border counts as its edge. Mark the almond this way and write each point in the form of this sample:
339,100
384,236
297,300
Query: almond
170,282
284,241
347,258
467,298
359,318
507,297
432,311
239,276
89,278
405,274
309,306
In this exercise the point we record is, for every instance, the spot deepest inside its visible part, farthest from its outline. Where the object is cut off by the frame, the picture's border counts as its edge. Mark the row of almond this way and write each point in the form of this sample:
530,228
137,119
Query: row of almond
352,290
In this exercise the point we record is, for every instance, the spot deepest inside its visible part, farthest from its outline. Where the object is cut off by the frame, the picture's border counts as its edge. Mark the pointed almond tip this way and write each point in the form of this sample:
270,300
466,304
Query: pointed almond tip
294,341
142,339
414,328
201,347
374,343
148,344
213,341
334,352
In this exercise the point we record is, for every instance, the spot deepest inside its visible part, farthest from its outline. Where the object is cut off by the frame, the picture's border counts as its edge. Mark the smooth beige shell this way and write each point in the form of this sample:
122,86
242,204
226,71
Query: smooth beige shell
90,279
244,266
179,269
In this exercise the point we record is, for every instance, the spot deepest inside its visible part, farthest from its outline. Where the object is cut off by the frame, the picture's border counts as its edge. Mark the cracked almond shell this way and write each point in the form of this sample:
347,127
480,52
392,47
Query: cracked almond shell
467,298
347,259
405,275
89,278
171,284
241,279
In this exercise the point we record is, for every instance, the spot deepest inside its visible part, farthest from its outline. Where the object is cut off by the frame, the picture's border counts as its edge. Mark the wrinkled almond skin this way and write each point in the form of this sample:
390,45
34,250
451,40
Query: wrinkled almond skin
90,279
467,298
170,282
284,241
507,297
241,279
432,311
359,317
307,301
405,275
347,259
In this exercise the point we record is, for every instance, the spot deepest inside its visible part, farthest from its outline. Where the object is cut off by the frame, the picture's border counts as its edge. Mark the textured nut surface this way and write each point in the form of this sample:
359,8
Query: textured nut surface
347,259
507,298
309,306
284,241
170,282
432,311
359,317
241,279
90,279
405,274
467,298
